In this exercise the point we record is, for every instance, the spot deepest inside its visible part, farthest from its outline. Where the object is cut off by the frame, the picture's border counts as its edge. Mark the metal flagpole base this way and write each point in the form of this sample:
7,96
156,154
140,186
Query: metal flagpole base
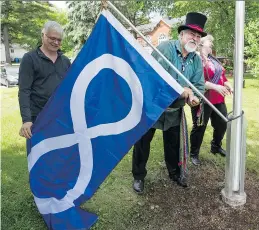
233,193
234,200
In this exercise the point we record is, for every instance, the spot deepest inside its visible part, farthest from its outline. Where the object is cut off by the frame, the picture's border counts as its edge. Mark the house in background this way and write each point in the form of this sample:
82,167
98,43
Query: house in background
16,52
157,32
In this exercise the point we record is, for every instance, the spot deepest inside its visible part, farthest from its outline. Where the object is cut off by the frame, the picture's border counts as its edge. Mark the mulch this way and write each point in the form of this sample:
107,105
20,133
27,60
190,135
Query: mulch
165,205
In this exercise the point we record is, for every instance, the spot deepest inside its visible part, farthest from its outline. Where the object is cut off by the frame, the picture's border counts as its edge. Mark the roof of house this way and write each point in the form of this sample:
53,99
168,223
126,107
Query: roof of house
146,28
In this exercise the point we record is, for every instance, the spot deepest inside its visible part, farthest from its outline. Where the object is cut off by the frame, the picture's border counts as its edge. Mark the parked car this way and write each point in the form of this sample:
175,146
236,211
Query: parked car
9,76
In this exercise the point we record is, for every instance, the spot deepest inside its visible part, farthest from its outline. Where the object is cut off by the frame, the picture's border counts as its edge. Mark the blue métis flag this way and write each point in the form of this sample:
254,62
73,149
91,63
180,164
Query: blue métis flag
112,94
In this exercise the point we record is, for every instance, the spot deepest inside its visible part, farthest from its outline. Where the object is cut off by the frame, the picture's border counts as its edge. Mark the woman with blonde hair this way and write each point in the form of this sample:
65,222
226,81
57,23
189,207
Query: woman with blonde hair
217,87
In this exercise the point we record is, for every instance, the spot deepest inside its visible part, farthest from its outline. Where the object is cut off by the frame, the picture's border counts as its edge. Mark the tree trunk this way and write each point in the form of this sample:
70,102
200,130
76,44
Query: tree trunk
134,23
6,44
135,34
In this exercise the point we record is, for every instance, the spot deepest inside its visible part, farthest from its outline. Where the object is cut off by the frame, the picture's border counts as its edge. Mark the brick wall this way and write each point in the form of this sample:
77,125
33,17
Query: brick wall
161,28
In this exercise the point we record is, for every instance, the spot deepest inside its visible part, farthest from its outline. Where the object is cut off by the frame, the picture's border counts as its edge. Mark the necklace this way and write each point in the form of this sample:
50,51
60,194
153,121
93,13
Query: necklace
184,64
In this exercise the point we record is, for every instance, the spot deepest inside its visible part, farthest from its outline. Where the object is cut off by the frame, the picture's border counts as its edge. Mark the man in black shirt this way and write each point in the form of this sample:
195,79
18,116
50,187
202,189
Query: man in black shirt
41,71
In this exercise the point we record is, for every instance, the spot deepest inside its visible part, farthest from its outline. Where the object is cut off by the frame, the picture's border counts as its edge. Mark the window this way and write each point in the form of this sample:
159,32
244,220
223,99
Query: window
12,51
161,38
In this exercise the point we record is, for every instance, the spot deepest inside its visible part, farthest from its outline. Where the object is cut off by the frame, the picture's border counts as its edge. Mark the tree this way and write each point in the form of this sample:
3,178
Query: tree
252,37
252,46
22,21
83,14
221,23
81,19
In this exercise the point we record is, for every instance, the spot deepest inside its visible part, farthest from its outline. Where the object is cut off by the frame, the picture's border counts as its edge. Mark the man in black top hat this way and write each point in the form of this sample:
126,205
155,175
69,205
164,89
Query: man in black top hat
183,56
195,22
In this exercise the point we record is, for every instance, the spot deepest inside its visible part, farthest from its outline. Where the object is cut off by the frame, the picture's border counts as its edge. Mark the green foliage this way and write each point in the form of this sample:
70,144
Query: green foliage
25,19
220,21
252,46
228,68
83,14
174,33
81,19
221,24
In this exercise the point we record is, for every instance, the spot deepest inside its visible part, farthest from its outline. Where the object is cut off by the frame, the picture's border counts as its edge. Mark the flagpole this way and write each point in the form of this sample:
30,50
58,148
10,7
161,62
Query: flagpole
233,193
238,73
168,62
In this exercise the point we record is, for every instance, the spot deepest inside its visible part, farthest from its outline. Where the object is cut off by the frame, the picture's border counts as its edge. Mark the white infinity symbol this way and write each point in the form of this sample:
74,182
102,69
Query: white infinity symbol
83,135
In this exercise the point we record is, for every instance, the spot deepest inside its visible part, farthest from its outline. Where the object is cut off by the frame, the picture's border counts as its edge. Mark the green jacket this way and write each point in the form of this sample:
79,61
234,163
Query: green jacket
190,67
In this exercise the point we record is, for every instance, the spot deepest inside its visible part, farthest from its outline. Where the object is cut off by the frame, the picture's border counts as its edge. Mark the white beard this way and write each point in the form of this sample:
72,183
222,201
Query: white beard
188,48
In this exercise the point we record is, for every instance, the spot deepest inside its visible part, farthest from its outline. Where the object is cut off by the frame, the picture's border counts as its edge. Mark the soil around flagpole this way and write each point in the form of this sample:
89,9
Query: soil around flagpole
167,206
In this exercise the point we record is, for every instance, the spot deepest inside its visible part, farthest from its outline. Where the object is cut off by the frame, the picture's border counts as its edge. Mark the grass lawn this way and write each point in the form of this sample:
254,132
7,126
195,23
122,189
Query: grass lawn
115,202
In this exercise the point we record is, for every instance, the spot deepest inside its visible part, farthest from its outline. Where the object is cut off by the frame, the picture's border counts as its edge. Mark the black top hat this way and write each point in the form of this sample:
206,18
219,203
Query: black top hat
194,21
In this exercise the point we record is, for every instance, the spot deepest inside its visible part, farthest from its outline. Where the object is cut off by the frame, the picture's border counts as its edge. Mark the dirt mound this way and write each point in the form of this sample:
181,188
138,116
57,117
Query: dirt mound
168,206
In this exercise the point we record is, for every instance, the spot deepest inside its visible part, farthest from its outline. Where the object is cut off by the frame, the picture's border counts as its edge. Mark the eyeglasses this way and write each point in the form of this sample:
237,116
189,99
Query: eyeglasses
59,40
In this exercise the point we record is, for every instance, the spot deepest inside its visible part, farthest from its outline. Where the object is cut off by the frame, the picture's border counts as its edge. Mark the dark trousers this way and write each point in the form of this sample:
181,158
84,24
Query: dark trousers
218,124
141,150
